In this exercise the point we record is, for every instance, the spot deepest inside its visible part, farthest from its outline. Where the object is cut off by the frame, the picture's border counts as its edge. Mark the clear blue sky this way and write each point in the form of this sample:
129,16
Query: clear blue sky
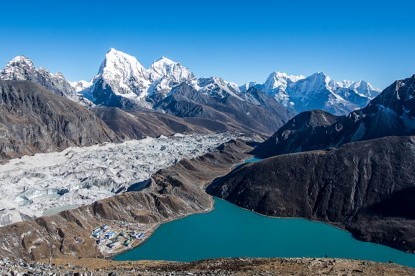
239,40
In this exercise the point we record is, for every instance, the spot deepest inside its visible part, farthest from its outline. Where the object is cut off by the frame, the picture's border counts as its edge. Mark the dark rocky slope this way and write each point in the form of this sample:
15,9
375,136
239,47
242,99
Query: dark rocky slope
139,122
174,192
185,101
365,187
34,119
390,113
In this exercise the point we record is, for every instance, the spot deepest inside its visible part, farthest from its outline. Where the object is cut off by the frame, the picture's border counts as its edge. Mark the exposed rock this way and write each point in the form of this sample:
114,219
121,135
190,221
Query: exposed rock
36,120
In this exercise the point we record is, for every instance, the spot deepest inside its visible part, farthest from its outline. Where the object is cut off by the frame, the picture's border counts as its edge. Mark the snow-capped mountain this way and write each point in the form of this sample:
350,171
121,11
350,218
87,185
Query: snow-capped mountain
122,76
277,84
81,85
22,68
317,91
164,75
166,68
216,87
123,82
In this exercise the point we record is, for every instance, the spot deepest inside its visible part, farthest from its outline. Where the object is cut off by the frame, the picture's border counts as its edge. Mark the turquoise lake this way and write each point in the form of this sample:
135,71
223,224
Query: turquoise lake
230,231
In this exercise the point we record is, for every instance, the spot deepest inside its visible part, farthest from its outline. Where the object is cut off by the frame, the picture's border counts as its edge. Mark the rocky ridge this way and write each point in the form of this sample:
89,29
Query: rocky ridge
364,187
36,120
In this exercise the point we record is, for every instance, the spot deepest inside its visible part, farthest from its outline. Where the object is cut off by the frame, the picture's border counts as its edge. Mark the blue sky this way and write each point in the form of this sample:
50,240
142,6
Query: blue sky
239,40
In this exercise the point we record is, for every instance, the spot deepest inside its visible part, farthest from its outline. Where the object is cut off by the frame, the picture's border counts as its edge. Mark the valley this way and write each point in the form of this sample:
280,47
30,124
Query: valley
95,169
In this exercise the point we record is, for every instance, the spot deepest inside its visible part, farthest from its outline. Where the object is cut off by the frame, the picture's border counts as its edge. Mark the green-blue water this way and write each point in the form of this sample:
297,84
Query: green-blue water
252,160
229,231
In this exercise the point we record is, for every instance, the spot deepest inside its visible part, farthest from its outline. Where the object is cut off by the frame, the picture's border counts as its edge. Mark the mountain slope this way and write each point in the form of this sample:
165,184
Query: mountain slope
366,187
138,124
390,113
36,120
222,106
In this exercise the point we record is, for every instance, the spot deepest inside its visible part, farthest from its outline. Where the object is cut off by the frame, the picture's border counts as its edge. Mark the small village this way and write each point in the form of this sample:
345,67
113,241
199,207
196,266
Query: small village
115,238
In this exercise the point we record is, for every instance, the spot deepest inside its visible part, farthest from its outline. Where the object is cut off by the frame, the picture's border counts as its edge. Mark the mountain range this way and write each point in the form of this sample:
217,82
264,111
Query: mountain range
122,81
317,91
390,113
122,77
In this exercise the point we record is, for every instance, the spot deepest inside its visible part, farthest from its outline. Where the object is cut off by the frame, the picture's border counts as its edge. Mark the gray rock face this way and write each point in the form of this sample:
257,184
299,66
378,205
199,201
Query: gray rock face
36,120
391,113
366,187
185,101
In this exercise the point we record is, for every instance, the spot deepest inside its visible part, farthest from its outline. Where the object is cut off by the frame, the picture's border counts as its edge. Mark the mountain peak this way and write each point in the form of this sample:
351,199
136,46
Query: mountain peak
279,81
164,60
117,58
112,50
167,68
20,61
124,74
319,75
279,74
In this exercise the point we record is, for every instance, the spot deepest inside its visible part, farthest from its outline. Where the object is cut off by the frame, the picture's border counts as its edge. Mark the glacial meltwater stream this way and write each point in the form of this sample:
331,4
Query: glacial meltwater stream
230,231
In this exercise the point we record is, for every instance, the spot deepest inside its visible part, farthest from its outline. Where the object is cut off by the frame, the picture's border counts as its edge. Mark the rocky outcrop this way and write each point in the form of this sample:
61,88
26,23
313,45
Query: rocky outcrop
390,113
365,187
173,192
37,120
